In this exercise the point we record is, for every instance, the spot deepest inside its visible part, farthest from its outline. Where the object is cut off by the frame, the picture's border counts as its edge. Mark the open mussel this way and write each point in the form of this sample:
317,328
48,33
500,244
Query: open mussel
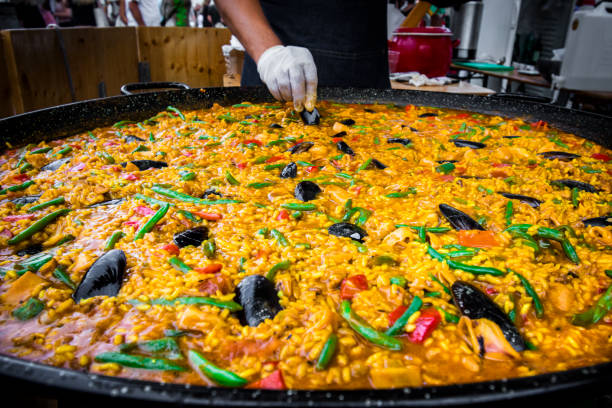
132,138
347,122
258,298
458,219
604,221
54,165
104,277
310,118
306,190
26,199
147,164
563,156
348,230
289,171
344,148
532,202
399,140
575,184
468,143
475,304
116,201
301,147
193,236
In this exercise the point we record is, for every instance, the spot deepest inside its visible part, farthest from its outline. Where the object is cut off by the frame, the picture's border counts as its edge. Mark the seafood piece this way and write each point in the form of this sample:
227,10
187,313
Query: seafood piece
475,304
458,219
348,230
563,156
486,339
109,202
132,138
344,148
400,140
193,236
310,118
104,277
347,122
575,184
289,171
54,165
306,190
468,143
147,164
301,147
532,202
604,221
26,199
258,298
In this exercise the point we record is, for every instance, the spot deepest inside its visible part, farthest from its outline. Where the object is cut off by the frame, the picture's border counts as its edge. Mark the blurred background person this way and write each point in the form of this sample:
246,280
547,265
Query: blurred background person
143,13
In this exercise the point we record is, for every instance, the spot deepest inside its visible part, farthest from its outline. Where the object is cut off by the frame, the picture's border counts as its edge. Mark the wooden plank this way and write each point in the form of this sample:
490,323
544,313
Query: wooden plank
9,101
184,54
461,87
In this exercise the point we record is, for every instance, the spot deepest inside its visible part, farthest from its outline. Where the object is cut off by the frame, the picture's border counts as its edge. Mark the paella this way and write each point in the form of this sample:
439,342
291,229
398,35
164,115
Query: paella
370,246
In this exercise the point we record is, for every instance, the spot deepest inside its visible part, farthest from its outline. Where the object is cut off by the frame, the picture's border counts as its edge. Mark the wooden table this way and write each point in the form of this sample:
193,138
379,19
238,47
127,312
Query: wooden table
462,87
537,80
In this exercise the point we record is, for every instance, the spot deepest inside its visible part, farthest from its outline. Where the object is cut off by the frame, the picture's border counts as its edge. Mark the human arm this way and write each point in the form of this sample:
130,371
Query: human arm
135,10
122,12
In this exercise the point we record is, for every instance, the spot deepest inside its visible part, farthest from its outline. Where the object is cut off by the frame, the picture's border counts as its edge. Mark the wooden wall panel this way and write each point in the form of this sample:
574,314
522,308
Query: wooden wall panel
6,102
189,55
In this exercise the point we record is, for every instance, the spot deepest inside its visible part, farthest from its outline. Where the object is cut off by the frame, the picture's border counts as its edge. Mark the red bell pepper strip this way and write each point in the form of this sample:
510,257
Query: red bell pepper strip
501,165
144,211
212,268
312,169
274,381
171,249
601,156
249,141
282,215
477,239
396,314
274,159
426,323
241,166
353,285
11,218
208,216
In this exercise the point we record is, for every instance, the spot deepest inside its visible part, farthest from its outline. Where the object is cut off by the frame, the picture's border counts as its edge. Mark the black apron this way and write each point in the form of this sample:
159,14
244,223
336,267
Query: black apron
347,39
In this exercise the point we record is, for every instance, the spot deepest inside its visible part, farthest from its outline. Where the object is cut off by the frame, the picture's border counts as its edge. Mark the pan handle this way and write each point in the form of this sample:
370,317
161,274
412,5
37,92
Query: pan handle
128,89
522,97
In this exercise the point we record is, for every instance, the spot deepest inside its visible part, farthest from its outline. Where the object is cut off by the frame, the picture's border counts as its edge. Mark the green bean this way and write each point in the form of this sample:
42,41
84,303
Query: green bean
363,215
460,254
575,197
64,278
567,229
150,200
509,212
596,312
63,151
209,248
174,333
25,167
42,150
280,238
360,247
145,363
539,309
178,264
399,324
384,260
37,226
148,226
401,194
274,166
398,281
116,236
187,175
299,206
263,231
260,185
167,347
187,198
231,179
178,112
35,262
123,123
64,239
476,270
570,251
281,266
203,300
55,201
344,175
218,375
296,215
29,310
261,159
17,187
445,168
106,157
364,165
608,273
141,148
366,331
327,354
421,233
439,282
304,163
190,216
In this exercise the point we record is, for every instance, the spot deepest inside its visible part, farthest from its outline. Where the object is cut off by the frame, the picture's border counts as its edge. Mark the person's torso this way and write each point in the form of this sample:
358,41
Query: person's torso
150,13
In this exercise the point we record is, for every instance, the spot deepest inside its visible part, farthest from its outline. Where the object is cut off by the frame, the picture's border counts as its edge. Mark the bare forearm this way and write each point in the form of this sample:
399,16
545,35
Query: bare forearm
246,20
136,13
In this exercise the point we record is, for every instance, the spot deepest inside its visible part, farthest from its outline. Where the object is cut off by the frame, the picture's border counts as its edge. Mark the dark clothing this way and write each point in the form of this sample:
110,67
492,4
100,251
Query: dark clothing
83,15
347,39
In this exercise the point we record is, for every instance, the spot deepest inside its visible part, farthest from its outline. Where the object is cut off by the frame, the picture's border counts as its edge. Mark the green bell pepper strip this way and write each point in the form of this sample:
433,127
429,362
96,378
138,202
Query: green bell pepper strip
17,187
476,270
299,206
178,112
509,212
116,236
539,309
167,347
281,266
399,324
439,282
148,226
596,312
145,363
63,151
363,215
35,262
38,226
231,179
64,278
260,185
187,198
209,248
25,167
178,264
575,197
217,375
106,157
364,165
29,310
280,238
432,294
366,331
42,150
55,201
398,281
328,352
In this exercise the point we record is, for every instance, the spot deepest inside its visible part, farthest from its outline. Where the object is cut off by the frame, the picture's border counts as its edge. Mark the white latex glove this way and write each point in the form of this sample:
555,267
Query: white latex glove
290,74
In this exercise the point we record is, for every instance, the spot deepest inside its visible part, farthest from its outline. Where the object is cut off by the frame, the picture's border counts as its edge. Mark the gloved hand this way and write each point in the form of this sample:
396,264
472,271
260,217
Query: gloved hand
290,74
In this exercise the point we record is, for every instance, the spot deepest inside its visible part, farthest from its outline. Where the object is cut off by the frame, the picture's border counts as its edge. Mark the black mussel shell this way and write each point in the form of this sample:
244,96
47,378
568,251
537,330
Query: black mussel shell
427,115
458,219
344,148
30,250
575,184
306,190
193,236
132,138
446,161
471,177
563,156
109,202
468,143
301,147
604,221
104,277
347,122
347,230
400,140
475,304
26,199
289,171
258,298
147,164
414,129
310,118
340,134
532,202
211,191
510,137
378,164
275,126
54,165
369,110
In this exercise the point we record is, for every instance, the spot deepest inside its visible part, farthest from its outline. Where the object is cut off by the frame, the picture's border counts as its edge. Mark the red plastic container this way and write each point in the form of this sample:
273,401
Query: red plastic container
428,50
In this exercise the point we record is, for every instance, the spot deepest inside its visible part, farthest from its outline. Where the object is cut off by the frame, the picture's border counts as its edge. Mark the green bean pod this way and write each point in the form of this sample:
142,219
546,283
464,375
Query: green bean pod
328,352
114,238
367,331
218,375
29,310
55,201
148,226
399,324
281,266
38,226
145,363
